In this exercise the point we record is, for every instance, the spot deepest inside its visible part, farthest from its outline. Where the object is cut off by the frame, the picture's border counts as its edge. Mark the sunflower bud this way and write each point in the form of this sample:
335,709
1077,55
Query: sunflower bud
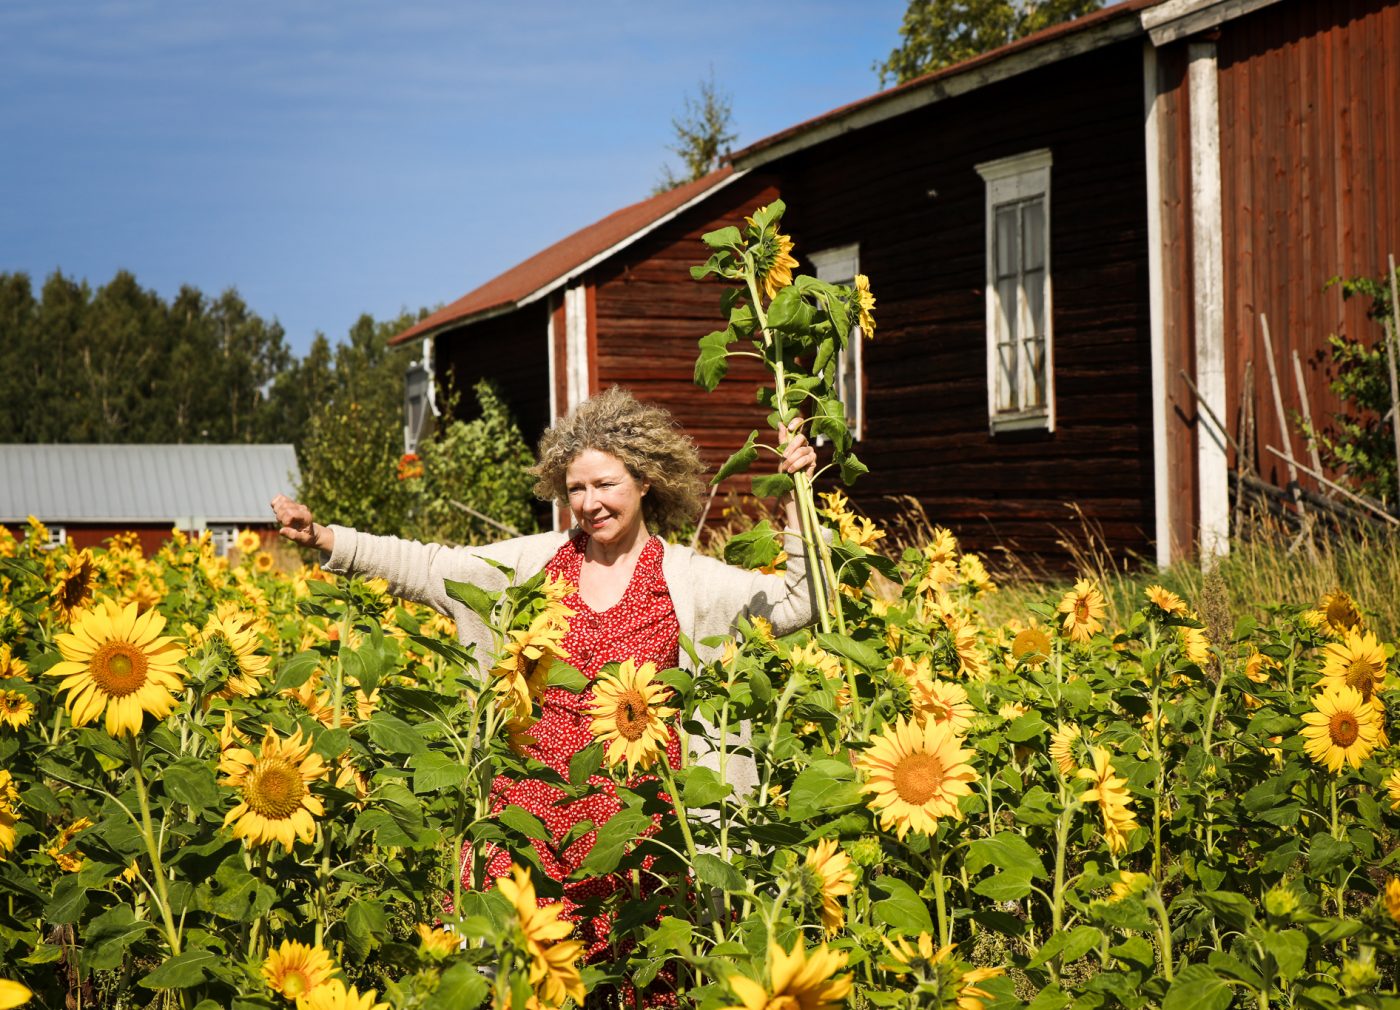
1281,901
865,851
1359,975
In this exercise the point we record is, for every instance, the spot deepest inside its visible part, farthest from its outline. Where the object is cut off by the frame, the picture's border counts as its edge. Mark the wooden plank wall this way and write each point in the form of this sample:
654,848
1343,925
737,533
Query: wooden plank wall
648,316
1310,152
906,190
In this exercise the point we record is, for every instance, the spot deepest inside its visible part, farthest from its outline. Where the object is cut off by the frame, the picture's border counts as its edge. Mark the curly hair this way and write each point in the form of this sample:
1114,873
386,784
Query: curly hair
645,438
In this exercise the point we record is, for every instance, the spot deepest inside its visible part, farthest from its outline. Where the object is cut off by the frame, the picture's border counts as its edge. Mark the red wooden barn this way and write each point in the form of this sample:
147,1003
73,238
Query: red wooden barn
1056,232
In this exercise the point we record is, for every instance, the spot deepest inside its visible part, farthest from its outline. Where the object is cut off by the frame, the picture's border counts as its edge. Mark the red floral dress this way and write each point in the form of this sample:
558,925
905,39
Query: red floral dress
641,626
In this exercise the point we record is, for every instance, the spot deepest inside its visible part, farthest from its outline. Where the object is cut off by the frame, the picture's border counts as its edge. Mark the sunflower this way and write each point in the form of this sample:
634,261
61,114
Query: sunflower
917,773
1084,610
1339,612
1392,899
15,709
553,968
970,996
627,713
1392,789
799,981
518,736
773,262
1031,647
1342,729
11,666
9,797
1113,798
524,667
276,803
1166,600
1259,667
73,588
115,658
940,701
970,663
865,302
247,542
1062,748
974,575
264,563
230,649
333,995
1357,662
813,657
436,943
1128,884
13,994
831,869
1194,644
294,969
69,862
1012,711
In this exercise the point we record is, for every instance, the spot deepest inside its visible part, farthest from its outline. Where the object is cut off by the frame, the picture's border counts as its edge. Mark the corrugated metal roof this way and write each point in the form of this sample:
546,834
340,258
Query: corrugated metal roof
144,483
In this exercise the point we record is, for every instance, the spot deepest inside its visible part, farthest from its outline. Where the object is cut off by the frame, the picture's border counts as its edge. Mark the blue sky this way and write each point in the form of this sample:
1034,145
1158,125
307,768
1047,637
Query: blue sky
332,158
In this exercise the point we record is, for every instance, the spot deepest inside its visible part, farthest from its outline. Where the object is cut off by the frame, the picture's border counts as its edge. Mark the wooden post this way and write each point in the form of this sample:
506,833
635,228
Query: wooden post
1307,418
1293,487
1390,348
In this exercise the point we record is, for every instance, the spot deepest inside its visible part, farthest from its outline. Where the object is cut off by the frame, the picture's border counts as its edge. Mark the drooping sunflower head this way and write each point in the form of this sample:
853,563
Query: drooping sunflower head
11,666
1062,748
798,980
114,658
831,878
773,261
553,968
436,943
1128,884
629,715
1115,802
1195,646
229,648
916,775
1084,610
276,802
294,969
1339,612
69,860
74,584
1358,661
865,305
1031,646
1165,600
1343,728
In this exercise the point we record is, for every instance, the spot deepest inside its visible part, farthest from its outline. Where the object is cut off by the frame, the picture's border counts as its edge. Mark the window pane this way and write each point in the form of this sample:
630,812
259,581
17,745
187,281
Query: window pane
1035,303
1033,231
1035,366
1008,311
1006,376
1007,244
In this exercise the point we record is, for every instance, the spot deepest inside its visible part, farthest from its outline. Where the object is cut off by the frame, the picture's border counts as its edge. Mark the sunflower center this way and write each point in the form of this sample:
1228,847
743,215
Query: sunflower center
1081,609
1341,614
1030,643
295,983
783,1002
633,715
1360,673
274,789
917,778
118,669
1344,729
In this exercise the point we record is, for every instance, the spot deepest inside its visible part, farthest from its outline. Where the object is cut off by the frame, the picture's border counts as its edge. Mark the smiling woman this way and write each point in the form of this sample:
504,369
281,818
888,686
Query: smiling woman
627,474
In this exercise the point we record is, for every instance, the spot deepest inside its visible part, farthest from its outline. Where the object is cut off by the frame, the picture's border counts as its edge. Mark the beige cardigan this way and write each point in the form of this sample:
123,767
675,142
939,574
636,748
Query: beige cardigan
708,595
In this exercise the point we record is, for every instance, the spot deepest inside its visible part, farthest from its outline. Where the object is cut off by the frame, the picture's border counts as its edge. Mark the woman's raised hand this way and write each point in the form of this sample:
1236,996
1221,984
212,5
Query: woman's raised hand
798,455
298,525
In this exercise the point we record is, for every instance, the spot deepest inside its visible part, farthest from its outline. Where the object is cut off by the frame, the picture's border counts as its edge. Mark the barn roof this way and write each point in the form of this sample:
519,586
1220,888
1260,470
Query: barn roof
548,270
1163,20
144,483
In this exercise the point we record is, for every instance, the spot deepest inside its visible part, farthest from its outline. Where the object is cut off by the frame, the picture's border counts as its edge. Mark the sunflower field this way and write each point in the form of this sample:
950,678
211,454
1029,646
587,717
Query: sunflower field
226,785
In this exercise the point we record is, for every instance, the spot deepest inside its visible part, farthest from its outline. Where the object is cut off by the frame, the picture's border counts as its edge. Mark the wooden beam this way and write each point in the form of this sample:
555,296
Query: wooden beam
1156,306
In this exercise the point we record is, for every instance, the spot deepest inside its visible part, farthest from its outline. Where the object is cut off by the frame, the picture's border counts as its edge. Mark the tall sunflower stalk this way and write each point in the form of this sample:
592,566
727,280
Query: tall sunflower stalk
798,327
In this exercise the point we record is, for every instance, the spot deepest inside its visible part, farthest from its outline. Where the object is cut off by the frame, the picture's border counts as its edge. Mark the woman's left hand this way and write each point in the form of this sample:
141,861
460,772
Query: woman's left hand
798,455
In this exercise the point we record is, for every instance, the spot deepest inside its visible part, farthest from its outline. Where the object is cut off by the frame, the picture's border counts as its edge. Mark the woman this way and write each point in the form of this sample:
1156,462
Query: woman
627,474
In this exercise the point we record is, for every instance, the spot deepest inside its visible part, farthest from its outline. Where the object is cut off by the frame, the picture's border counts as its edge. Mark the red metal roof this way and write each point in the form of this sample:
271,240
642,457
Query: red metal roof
563,257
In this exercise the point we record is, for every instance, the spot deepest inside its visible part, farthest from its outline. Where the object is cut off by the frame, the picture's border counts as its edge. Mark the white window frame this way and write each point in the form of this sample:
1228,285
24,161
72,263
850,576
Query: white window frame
839,265
1012,180
223,537
58,537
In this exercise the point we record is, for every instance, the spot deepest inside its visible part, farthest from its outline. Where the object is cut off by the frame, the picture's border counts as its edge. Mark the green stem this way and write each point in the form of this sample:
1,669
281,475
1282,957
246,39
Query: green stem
172,934
940,902
691,851
1160,785
1164,931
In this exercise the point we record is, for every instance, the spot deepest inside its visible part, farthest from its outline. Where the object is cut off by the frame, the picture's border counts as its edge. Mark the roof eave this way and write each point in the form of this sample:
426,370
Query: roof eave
1175,19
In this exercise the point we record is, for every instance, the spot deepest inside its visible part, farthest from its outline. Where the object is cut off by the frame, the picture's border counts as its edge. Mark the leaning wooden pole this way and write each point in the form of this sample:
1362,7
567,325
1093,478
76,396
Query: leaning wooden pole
1293,486
1303,398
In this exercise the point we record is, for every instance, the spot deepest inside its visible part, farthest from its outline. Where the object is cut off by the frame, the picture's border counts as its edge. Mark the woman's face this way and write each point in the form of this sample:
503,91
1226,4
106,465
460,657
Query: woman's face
605,498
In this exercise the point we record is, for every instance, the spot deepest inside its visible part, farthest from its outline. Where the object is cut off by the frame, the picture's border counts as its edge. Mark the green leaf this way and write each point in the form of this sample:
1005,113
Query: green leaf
107,937
568,677
713,362
1067,946
182,970
296,671
740,461
754,548
1026,727
365,922
788,311
864,655
585,763
238,895
1009,885
703,788
477,600
1197,987
526,823
823,788
1233,909
614,838
717,873
1289,948
434,771
772,485
902,908
670,934
461,987
1326,853
191,782
723,238
394,735
851,468
70,899
1005,850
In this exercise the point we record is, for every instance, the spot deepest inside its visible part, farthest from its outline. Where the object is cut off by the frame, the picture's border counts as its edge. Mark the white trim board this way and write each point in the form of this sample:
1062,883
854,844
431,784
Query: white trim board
1156,302
1176,19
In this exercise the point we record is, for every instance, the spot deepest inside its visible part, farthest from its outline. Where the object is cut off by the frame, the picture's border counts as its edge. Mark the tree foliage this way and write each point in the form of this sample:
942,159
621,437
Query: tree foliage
704,134
939,33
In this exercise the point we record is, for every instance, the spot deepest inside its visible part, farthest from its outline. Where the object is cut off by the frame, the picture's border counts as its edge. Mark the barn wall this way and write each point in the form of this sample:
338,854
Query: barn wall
906,190
1310,157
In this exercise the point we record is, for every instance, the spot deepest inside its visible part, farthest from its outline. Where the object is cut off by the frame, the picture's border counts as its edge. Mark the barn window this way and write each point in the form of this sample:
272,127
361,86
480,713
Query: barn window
839,265
58,536
1020,358
223,537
